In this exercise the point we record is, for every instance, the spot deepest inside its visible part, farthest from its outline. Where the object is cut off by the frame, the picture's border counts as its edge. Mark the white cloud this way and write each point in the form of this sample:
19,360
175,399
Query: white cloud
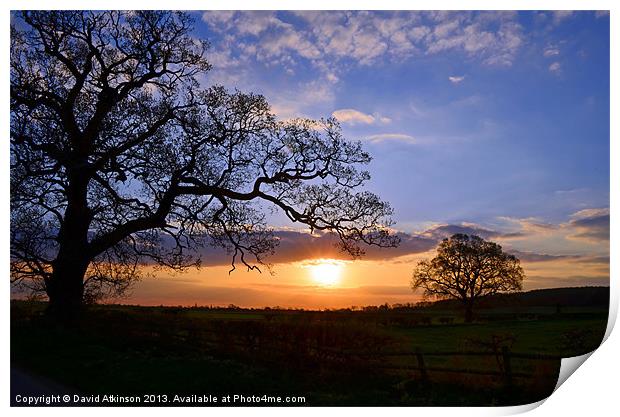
352,116
331,77
418,33
560,15
217,19
391,137
555,68
494,37
456,79
316,92
326,38
445,29
551,51
289,40
223,59
591,212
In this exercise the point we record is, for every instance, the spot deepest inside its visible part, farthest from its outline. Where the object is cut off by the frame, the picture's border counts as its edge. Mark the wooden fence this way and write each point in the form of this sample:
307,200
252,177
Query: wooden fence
411,360
504,357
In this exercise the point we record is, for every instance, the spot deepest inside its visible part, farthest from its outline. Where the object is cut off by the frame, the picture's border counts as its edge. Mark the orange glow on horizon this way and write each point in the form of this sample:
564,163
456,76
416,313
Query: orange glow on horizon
327,283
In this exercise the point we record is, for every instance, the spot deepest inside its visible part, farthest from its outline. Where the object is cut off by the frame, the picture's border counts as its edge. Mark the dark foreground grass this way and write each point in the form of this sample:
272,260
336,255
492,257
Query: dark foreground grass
329,359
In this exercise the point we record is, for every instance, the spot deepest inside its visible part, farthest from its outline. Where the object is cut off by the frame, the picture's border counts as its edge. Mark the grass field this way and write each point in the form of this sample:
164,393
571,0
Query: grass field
331,358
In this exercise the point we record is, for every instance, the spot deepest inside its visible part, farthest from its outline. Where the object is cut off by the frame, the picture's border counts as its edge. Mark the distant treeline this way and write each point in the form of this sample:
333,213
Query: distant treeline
552,297
569,297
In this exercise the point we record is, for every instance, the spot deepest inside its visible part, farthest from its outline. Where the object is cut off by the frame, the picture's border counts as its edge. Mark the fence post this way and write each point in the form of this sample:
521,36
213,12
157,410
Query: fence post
421,366
507,366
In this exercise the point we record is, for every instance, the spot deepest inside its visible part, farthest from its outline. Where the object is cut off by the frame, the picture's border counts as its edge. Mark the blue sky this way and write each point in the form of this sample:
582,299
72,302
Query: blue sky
493,123
470,116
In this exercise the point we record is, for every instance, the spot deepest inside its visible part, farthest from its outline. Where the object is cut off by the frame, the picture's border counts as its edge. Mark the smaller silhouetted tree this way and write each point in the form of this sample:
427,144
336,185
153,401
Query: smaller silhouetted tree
467,268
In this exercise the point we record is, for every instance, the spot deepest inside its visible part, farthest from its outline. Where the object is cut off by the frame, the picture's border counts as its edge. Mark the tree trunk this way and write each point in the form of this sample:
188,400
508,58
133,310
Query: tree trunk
469,312
65,288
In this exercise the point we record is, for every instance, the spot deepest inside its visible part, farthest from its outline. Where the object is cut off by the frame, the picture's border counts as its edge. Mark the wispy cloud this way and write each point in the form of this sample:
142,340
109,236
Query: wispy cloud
441,231
493,37
551,51
530,226
352,116
300,246
590,224
366,38
538,282
555,68
542,257
332,43
391,137
561,15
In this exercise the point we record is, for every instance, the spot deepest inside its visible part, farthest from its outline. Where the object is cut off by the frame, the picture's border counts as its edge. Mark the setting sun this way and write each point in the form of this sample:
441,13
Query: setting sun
326,272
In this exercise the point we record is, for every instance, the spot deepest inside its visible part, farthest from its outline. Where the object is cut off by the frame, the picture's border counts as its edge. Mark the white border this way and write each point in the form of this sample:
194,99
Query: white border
591,391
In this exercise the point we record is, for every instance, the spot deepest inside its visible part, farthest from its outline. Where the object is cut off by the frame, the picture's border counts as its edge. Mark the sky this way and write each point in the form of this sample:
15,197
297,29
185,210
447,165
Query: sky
493,123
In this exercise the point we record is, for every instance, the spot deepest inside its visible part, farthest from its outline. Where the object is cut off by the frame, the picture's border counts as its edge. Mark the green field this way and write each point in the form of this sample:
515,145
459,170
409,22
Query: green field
331,358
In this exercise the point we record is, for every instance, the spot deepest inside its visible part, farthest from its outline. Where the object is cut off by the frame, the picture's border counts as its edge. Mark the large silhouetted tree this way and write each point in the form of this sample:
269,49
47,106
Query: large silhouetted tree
467,268
120,157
